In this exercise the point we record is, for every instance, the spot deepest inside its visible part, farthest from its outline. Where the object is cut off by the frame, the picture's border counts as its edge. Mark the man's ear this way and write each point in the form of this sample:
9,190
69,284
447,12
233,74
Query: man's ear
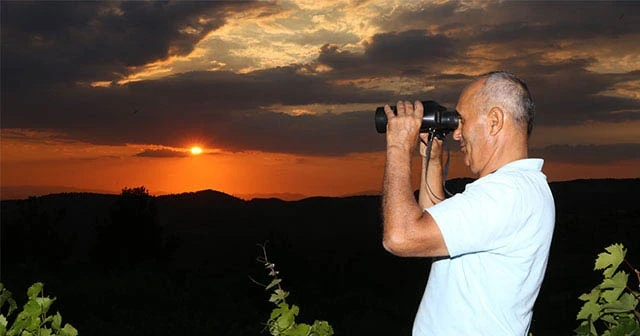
495,117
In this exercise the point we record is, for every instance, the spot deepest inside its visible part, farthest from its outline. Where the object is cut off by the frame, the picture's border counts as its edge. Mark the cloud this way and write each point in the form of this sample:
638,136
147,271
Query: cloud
416,51
162,153
68,42
223,109
588,154
412,52
411,47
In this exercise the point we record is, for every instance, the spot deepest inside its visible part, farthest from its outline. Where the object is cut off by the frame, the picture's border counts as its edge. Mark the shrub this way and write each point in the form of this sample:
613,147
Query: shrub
33,319
610,308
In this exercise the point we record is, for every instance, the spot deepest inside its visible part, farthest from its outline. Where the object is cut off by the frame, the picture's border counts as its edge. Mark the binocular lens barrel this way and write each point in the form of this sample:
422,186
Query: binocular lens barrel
436,117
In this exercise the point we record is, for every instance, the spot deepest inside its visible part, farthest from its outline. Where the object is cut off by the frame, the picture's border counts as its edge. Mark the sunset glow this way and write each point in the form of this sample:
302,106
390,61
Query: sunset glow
195,150
278,98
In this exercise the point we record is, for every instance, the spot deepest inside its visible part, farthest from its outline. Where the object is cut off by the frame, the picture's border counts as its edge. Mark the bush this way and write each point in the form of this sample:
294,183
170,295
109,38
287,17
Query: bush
33,319
610,307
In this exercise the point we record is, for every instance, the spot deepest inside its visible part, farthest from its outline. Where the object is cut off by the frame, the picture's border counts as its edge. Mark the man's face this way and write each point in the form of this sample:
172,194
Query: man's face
471,130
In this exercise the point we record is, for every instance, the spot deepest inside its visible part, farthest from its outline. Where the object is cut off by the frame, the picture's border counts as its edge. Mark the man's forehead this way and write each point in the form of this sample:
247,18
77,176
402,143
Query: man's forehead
469,94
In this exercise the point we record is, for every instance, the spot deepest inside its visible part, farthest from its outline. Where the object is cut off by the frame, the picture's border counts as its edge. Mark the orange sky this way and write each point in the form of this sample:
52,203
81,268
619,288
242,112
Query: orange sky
243,174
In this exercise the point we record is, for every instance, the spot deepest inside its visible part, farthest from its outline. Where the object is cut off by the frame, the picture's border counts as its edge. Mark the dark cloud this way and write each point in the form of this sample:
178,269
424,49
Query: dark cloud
326,134
411,47
588,154
51,42
340,60
48,47
162,153
414,52
519,21
219,108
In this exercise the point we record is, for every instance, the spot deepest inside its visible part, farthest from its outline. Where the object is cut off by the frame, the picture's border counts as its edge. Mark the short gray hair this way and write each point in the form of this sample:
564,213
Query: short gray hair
505,90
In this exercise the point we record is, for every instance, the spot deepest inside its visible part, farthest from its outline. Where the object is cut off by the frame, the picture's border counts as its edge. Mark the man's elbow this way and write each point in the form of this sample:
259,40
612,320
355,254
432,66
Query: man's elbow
395,245
412,244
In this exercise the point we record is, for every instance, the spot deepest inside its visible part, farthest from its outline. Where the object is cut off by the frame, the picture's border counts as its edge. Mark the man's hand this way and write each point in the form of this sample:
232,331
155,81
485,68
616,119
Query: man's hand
435,155
403,128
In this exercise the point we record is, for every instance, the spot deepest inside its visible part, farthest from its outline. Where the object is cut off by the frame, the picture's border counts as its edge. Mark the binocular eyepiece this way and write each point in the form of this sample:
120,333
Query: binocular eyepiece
436,119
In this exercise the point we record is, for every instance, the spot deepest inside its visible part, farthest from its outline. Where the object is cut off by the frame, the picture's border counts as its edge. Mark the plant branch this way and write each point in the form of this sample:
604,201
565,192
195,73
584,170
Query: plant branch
256,282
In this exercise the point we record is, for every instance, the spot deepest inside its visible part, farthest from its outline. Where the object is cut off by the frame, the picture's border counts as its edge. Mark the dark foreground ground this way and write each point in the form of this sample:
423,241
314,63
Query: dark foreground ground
328,252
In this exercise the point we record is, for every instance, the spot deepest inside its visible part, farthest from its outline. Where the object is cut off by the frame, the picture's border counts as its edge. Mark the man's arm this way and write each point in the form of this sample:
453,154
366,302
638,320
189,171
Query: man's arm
407,229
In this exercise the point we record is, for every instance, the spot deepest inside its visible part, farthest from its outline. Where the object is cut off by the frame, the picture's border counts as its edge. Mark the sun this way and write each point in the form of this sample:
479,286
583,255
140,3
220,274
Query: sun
195,150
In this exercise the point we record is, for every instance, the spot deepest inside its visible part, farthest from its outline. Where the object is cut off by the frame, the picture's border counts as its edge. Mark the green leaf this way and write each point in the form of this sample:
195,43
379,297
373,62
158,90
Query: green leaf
619,280
35,290
285,320
299,330
45,303
5,295
33,324
32,308
609,318
612,295
583,329
295,310
275,282
19,324
611,259
44,332
624,327
68,330
278,296
56,322
322,328
615,286
12,306
590,311
594,295
626,303
278,311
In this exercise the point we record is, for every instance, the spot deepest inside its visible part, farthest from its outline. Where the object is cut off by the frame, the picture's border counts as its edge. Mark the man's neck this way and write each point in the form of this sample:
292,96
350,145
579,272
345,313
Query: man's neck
504,154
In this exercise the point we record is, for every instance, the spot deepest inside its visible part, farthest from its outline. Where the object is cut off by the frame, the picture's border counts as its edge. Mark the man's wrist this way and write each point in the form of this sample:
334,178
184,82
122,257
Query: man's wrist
398,149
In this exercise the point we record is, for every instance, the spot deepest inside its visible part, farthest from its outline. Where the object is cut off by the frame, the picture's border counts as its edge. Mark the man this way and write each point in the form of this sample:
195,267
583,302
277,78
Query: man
493,239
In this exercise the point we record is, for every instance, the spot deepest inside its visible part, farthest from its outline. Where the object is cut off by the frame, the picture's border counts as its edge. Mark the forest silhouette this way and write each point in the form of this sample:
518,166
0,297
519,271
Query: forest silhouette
136,264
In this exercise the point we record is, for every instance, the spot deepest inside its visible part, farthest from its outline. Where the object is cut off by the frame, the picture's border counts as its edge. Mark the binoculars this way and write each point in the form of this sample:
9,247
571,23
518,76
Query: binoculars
436,119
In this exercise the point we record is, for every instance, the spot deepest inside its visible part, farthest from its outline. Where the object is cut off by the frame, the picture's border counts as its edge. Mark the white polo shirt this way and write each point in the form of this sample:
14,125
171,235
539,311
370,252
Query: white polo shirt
498,233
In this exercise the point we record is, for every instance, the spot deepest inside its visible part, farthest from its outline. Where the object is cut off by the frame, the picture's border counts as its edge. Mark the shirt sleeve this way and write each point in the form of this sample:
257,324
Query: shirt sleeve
482,218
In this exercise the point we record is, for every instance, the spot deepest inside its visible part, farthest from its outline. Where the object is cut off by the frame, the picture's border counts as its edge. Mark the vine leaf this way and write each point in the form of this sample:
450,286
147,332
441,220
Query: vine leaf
278,296
611,259
590,311
273,283
594,295
282,321
57,322
585,329
301,329
615,286
626,303
612,303
34,290
322,328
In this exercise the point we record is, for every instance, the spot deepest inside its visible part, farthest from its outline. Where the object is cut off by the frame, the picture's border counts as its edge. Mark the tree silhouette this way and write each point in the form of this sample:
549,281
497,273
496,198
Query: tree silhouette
132,235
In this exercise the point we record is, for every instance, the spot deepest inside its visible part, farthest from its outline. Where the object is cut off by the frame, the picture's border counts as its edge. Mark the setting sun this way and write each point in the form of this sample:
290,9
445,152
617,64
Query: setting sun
196,150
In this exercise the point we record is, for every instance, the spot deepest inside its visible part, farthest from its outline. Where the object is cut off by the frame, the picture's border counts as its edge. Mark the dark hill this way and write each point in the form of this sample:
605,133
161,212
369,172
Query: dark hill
328,251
